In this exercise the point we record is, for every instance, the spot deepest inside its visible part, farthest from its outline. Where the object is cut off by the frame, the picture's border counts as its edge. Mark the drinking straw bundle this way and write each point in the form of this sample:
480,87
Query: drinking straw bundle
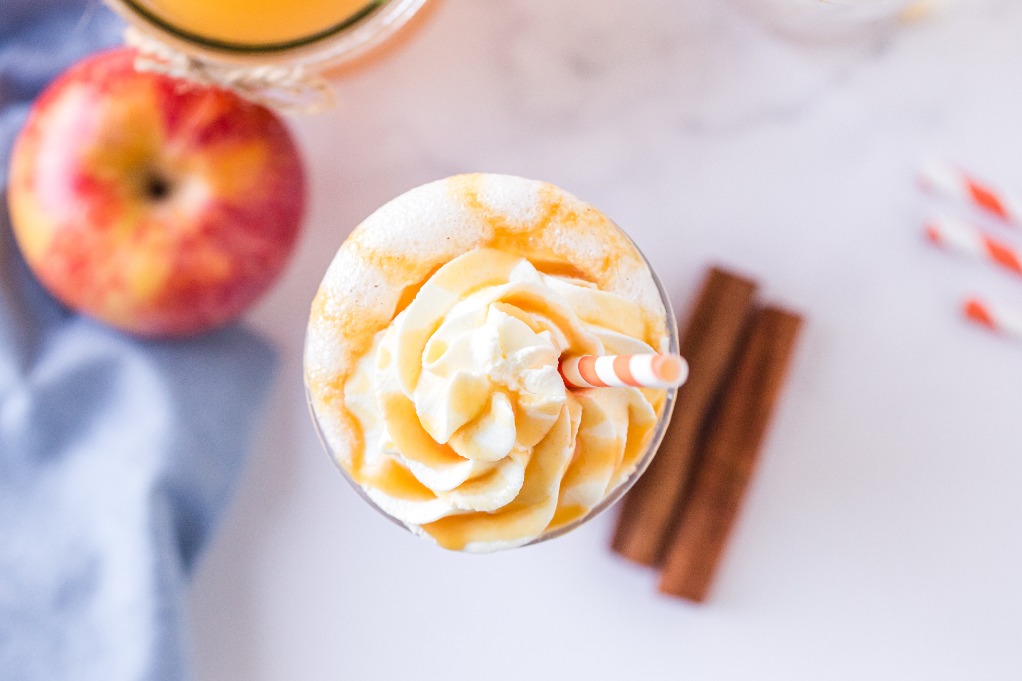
966,238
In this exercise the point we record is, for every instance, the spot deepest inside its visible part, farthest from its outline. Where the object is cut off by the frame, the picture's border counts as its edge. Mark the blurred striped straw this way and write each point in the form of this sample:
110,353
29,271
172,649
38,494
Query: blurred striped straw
1000,318
959,236
949,180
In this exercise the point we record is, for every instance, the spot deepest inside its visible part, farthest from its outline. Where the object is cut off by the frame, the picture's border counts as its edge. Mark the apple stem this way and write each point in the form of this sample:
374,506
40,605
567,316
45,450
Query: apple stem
157,187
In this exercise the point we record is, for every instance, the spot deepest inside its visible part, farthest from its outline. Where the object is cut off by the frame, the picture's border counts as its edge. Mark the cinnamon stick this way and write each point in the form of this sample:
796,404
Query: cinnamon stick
708,342
729,455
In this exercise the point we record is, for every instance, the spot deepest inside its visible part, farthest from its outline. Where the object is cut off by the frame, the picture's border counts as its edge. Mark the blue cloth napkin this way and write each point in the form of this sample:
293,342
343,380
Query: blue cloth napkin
116,455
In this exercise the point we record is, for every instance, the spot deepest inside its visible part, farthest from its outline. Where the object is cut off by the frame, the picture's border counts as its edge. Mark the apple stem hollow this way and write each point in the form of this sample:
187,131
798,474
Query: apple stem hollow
157,187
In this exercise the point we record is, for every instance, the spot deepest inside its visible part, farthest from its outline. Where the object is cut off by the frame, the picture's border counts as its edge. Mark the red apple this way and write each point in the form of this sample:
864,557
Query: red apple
160,207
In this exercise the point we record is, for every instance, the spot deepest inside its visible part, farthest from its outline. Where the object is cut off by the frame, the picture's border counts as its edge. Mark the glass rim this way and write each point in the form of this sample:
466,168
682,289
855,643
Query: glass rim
659,430
342,41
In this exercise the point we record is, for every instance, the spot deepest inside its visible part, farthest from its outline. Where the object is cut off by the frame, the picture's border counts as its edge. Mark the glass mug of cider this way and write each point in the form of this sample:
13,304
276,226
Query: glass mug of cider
312,34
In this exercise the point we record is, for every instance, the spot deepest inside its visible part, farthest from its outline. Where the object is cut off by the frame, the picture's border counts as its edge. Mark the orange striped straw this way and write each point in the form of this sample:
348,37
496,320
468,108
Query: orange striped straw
961,237
999,318
661,370
953,182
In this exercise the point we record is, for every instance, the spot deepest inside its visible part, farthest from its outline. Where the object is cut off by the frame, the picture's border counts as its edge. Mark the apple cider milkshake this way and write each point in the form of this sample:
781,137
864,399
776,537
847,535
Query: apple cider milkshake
432,355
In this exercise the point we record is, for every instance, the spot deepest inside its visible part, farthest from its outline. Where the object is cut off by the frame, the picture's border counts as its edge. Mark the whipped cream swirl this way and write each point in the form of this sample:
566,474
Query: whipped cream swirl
470,435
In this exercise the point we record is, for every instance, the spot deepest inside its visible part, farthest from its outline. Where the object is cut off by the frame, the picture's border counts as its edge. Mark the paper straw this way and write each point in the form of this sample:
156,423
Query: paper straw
662,370
944,178
960,237
999,318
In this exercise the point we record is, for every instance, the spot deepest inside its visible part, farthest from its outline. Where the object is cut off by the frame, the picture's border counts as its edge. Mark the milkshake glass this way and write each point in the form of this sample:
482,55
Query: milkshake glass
432,355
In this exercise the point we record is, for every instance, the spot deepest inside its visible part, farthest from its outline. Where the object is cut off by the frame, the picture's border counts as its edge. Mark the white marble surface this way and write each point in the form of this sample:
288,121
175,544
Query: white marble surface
881,538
